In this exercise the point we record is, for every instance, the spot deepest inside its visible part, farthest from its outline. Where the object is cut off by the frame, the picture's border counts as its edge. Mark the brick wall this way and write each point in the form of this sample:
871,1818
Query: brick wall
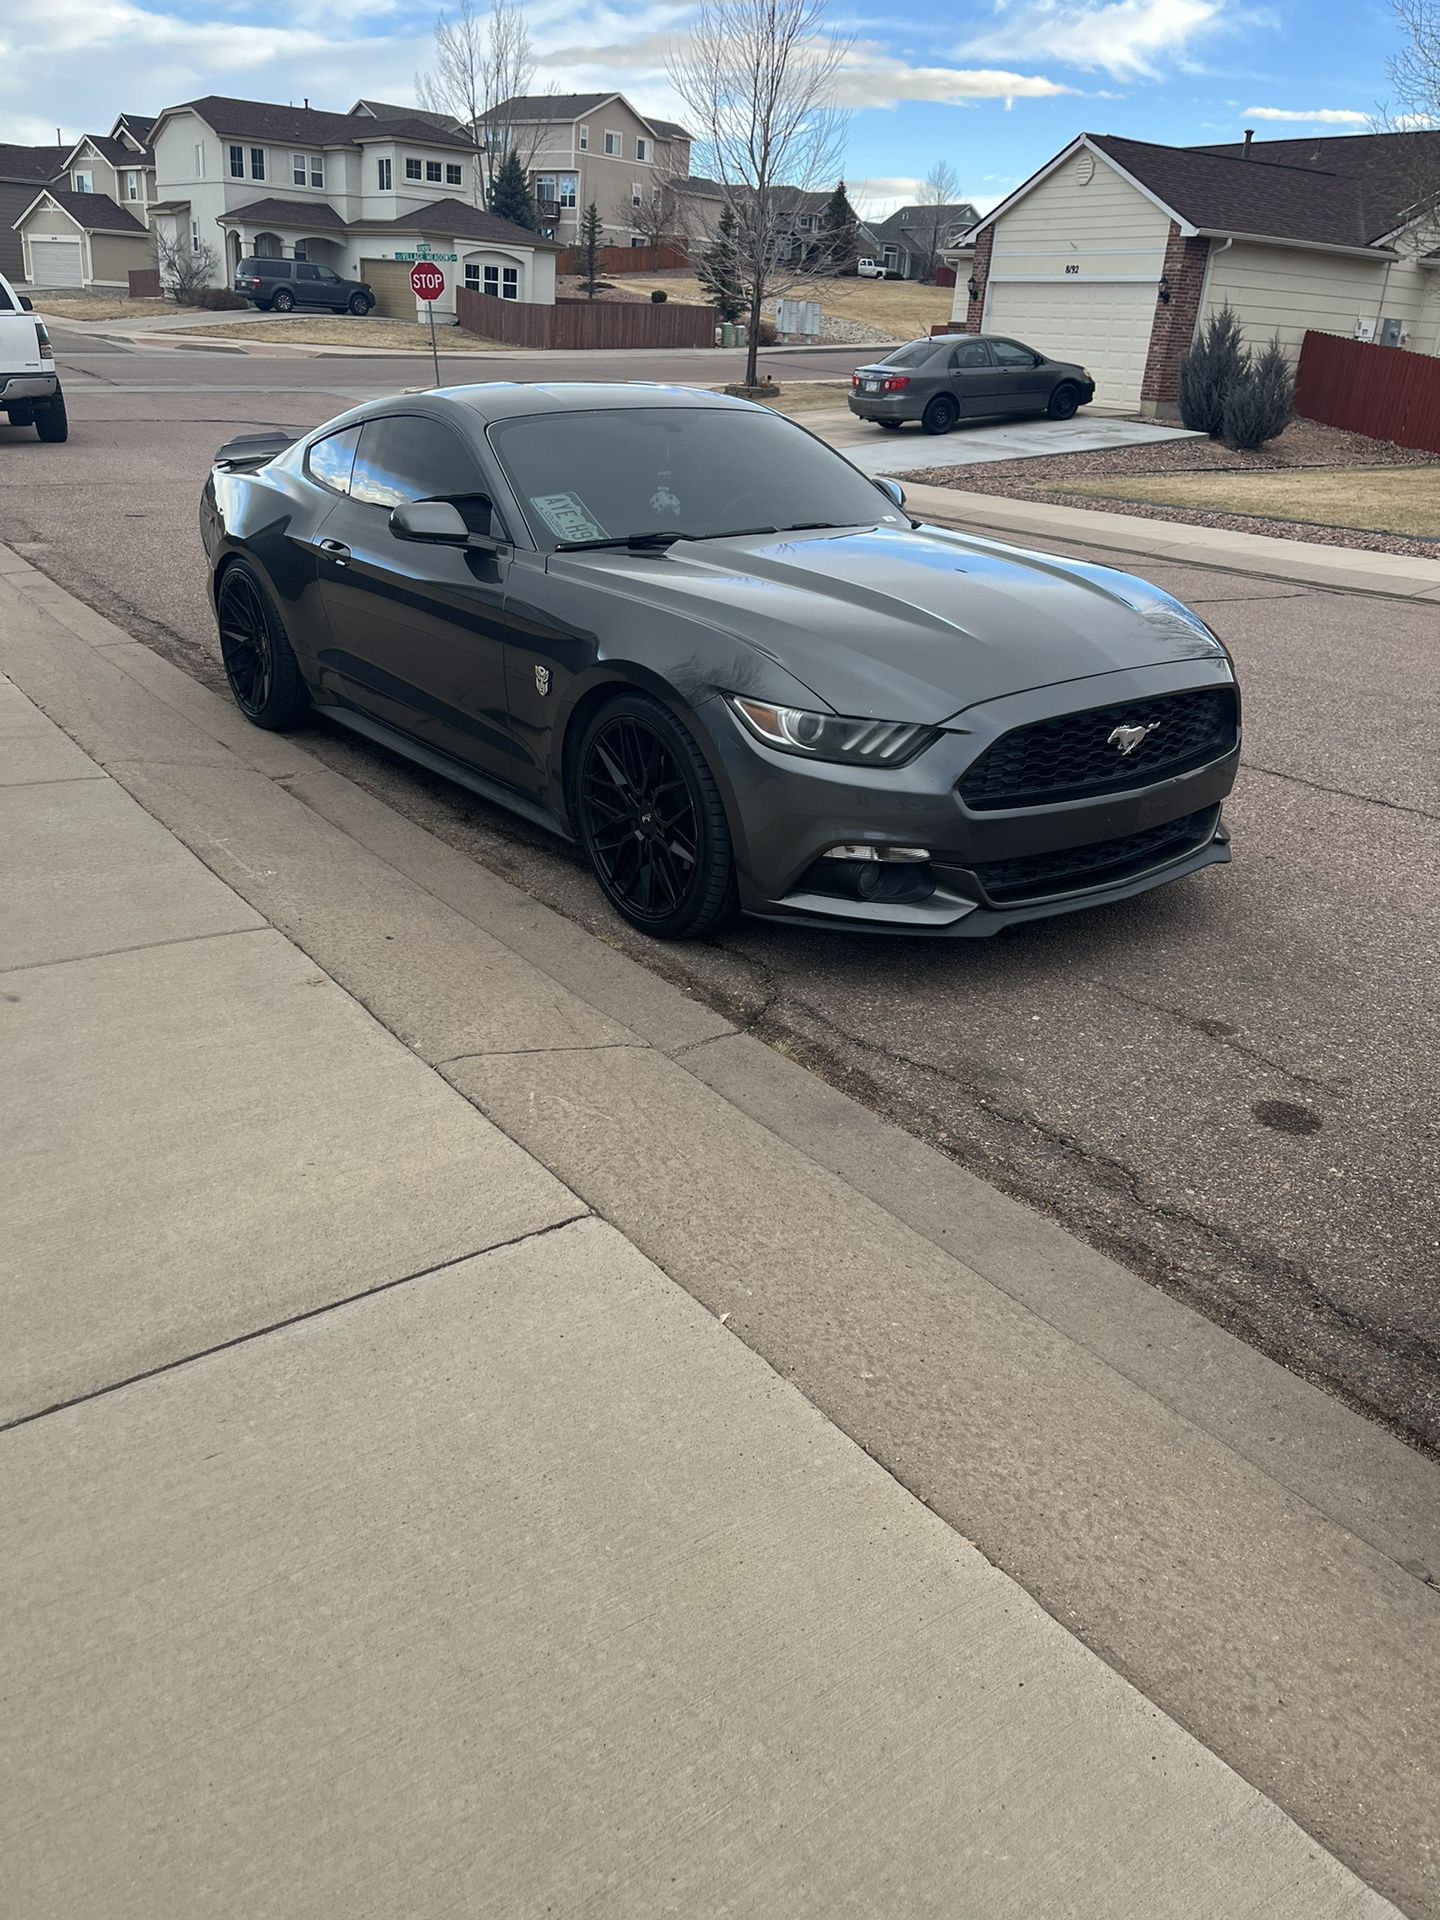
1174,324
980,273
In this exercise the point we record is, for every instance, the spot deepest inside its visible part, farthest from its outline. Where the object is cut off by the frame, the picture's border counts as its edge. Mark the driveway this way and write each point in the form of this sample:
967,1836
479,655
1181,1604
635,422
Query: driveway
1225,1084
910,450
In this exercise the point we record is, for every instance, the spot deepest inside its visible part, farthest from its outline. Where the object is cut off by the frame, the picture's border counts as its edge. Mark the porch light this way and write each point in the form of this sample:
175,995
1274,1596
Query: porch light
972,287
1164,291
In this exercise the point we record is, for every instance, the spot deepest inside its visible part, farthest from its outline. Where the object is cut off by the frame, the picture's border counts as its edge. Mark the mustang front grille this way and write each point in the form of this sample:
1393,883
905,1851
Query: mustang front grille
1102,863
1079,754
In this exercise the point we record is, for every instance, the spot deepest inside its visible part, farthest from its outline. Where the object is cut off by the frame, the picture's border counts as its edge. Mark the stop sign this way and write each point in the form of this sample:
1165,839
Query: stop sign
427,282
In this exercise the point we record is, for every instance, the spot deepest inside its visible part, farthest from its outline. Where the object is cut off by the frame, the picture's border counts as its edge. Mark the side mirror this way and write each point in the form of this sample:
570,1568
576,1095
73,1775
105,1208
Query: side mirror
894,489
439,523
27,305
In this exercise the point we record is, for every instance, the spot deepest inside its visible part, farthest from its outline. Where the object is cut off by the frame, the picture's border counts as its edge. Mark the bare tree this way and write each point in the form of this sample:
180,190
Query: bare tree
483,60
662,212
185,269
759,78
934,220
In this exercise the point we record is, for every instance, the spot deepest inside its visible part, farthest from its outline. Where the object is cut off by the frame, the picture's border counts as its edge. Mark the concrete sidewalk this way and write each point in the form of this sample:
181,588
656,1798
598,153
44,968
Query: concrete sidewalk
387,1533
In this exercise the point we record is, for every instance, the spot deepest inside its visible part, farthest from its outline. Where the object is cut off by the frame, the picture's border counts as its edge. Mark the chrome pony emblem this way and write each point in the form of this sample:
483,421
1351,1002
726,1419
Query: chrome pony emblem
1126,739
542,680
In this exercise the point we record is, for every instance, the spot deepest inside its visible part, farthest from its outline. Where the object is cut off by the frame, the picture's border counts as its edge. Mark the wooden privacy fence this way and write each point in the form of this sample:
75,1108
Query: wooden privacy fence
577,326
614,261
144,283
1381,391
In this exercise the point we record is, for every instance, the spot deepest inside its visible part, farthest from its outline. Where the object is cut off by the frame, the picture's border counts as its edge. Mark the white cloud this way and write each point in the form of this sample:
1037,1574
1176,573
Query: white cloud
1320,117
1128,39
869,77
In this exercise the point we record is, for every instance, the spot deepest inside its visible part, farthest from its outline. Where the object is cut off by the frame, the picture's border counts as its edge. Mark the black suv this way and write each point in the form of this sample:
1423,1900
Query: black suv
287,284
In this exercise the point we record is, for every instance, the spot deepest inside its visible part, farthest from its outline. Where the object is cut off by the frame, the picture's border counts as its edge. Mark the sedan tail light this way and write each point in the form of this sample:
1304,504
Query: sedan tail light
896,383
854,379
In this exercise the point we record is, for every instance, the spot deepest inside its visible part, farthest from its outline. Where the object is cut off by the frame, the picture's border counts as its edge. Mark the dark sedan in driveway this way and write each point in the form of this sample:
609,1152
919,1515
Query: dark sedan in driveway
965,377
685,633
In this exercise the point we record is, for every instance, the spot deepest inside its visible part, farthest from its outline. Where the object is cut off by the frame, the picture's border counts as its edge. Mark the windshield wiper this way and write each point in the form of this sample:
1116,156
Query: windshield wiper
657,540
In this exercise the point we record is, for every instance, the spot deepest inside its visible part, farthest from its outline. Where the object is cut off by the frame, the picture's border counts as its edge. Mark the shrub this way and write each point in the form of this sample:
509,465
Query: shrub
1260,401
1209,370
659,296
214,299
766,333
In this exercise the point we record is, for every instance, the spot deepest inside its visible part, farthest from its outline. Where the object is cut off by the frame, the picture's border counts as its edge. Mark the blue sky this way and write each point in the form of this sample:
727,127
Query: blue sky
992,86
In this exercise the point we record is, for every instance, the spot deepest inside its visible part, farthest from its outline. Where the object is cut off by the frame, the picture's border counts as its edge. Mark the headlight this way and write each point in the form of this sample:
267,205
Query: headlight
828,736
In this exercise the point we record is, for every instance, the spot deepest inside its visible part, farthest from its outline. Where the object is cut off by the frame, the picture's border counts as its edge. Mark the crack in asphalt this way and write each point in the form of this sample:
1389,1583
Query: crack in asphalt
1342,793
1222,1034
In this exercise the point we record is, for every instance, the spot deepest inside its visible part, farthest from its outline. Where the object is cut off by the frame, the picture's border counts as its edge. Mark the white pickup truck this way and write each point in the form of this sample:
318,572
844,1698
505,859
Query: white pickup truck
29,385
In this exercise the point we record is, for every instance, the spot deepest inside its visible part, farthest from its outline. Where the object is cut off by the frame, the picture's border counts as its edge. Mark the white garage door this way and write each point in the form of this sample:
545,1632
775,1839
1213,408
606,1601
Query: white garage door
56,263
1104,324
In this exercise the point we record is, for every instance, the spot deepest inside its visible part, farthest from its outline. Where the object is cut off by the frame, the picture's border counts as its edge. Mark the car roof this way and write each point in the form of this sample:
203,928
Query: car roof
508,399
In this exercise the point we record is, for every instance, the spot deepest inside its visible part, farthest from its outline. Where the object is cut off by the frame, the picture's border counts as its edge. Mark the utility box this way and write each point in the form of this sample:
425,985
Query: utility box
1390,332
798,319
1364,329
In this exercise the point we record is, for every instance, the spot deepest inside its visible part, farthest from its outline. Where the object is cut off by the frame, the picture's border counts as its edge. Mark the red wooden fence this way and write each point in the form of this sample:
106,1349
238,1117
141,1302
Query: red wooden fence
1381,391
144,283
580,325
614,261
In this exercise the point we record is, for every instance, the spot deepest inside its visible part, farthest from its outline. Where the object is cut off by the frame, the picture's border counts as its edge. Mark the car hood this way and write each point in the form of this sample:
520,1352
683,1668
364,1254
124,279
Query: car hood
904,624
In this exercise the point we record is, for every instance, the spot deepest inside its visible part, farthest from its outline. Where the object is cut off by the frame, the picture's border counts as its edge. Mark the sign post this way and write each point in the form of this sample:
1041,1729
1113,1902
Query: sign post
427,283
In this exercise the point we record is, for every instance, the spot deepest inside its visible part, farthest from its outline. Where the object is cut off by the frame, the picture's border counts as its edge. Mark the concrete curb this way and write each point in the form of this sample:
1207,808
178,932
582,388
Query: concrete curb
1343,569
1255,1558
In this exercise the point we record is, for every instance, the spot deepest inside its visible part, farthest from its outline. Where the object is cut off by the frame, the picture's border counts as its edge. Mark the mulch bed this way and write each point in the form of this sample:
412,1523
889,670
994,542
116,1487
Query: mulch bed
1303,444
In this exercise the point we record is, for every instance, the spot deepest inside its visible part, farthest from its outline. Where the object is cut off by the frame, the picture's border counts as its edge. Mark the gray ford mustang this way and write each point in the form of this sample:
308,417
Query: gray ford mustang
683,632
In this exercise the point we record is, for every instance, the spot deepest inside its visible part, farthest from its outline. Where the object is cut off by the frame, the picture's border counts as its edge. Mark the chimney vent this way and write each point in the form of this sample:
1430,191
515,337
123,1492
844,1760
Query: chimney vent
1249,136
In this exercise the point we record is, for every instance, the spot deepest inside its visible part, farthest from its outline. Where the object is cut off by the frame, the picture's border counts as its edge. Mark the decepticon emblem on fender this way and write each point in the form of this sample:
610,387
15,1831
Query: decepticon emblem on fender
542,680
1125,739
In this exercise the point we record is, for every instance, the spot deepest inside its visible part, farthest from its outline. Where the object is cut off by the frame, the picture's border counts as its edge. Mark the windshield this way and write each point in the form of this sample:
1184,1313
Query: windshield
678,471
914,355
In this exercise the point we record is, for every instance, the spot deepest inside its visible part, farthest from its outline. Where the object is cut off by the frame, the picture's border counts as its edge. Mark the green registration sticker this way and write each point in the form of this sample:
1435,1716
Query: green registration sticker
567,516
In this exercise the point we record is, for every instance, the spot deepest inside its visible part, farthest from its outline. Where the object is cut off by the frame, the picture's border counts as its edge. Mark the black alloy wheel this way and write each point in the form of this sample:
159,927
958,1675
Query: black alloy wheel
653,823
1065,401
359,305
283,301
941,414
259,664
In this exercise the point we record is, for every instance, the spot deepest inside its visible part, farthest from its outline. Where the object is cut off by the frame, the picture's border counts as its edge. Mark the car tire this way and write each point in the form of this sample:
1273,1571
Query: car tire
260,665
941,414
360,304
1064,401
671,875
52,422
891,426
283,302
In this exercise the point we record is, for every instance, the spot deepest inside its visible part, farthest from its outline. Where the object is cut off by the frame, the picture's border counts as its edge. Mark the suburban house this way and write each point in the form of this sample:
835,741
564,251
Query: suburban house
385,110
579,147
910,242
1115,252
23,172
80,240
362,194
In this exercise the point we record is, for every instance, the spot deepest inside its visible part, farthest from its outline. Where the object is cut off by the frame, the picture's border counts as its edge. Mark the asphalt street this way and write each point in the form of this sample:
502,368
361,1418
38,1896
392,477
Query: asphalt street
1229,1085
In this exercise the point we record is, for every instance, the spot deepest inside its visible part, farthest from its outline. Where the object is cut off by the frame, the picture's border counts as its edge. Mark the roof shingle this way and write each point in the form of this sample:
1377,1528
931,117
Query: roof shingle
95,212
307,126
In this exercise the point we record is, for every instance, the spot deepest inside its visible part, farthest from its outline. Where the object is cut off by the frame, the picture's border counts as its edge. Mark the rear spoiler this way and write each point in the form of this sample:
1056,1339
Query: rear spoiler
251,450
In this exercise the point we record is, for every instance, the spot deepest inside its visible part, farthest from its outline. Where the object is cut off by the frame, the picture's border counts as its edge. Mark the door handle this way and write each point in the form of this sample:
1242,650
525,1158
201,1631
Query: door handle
337,550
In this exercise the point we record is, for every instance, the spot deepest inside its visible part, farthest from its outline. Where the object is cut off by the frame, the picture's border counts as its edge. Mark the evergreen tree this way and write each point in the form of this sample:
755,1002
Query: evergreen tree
590,249
839,233
1218,361
1260,402
510,196
719,271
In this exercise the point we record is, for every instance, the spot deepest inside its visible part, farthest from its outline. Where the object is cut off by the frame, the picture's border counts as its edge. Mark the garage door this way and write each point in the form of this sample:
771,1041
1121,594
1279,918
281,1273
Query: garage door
390,281
56,263
1104,324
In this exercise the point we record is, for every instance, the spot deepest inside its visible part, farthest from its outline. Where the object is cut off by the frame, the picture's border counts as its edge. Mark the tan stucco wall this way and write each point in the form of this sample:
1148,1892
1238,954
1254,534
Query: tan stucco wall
112,255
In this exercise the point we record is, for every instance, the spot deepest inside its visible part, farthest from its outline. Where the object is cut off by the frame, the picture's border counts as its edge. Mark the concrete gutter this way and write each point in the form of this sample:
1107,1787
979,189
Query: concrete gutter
1343,569
1258,1561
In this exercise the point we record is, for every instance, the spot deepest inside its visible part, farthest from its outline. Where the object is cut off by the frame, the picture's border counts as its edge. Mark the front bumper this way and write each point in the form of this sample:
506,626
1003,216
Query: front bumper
989,869
28,386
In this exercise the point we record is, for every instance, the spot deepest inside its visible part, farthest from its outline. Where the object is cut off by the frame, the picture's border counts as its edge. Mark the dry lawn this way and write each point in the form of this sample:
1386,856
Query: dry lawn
1403,500
97,306
808,396
347,330
903,309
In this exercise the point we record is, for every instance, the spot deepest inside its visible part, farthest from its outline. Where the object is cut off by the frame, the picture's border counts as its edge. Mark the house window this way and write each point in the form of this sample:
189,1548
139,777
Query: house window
807,223
307,167
613,145
414,170
544,186
510,283
257,163
637,194
84,182
569,186
383,168
199,159
655,197
195,236
584,139
472,275
432,171
132,186
642,149
492,281
453,176
237,163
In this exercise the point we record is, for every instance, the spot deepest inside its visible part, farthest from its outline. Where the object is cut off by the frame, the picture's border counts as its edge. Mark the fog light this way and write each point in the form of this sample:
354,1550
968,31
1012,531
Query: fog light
901,856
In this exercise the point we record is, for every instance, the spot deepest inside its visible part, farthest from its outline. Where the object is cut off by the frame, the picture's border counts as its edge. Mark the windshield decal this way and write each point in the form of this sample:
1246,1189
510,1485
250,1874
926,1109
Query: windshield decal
567,516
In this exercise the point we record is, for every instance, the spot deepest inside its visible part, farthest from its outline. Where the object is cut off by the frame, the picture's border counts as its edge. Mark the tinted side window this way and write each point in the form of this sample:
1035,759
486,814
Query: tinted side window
403,457
915,355
973,353
1010,354
307,273
329,461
